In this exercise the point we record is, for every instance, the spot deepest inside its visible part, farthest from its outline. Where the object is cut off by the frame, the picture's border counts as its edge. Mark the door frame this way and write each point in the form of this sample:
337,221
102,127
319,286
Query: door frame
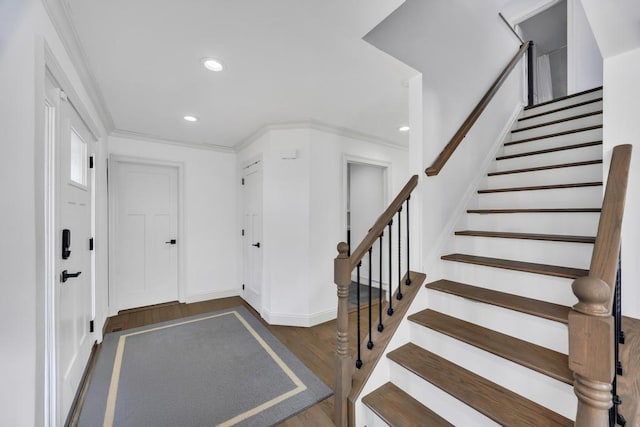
365,161
243,166
46,223
112,202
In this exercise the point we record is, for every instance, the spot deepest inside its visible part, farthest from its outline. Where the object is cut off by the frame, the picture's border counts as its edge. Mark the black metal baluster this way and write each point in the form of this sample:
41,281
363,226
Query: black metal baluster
370,343
408,280
380,325
359,360
390,309
399,296
614,414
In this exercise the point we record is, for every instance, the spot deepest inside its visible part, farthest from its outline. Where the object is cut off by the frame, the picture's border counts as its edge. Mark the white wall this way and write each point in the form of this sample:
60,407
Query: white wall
622,126
24,25
584,61
304,214
210,218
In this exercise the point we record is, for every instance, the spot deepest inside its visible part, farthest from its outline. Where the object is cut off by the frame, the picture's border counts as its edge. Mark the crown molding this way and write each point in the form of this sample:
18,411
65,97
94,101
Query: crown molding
157,139
60,14
319,126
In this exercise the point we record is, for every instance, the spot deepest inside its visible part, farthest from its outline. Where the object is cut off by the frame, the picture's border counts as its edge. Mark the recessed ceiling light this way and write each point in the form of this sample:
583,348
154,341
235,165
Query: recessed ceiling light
191,118
212,64
404,128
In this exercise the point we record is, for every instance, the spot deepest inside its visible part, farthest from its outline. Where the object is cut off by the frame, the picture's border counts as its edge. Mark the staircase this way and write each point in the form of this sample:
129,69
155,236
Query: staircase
492,347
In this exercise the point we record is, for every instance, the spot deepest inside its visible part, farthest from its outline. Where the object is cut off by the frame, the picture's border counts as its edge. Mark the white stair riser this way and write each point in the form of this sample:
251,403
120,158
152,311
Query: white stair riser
563,156
442,403
543,332
568,125
563,103
583,109
371,419
531,285
581,224
553,142
566,175
554,198
537,387
576,255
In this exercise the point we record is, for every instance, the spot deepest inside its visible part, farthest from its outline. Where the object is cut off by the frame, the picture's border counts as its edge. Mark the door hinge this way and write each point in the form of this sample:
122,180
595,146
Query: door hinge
91,244
90,325
243,231
243,286
90,162
242,181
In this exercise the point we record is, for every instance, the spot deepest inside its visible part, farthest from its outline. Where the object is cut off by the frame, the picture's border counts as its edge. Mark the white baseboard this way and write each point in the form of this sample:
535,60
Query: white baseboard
204,296
304,320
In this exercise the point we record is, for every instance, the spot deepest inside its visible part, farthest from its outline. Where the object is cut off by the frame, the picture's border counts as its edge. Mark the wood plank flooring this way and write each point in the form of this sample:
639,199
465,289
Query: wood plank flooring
314,346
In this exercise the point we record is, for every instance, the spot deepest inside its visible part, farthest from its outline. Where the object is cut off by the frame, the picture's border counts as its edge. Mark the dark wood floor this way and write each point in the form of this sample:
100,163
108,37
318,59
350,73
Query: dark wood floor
314,346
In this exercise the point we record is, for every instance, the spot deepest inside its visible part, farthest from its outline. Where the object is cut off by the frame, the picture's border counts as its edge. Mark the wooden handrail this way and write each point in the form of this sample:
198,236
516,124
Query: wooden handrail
448,151
382,221
591,325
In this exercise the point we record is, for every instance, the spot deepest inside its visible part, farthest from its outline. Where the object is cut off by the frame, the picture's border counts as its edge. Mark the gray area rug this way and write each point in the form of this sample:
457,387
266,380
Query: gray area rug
220,368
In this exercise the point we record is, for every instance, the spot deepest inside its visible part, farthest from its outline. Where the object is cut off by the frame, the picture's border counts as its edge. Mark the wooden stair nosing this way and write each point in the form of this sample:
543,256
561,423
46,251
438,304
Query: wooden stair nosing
546,310
397,408
529,355
573,95
534,210
496,402
555,122
557,110
541,187
528,236
548,167
553,135
528,267
550,150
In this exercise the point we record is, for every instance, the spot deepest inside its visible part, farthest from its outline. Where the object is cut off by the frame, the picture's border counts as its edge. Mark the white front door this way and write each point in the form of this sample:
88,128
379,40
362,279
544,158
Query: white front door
145,246
73,305
252,244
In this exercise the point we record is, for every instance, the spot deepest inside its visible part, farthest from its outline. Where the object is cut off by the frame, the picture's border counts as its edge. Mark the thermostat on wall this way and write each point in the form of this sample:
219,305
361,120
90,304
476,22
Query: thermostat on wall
289,154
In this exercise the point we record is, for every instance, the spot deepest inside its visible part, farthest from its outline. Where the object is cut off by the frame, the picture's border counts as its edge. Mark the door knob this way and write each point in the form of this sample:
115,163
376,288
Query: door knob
65,275
257,245
171,242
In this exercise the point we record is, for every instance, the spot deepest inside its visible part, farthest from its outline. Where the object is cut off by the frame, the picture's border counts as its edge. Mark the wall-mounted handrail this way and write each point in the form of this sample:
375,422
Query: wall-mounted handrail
591,325
448,151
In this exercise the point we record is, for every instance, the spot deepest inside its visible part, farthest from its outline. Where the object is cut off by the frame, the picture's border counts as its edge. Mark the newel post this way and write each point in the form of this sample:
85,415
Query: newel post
344,365
591,351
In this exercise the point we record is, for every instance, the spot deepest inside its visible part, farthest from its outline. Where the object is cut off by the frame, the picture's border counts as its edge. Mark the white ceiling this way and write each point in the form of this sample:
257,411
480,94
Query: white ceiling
287,62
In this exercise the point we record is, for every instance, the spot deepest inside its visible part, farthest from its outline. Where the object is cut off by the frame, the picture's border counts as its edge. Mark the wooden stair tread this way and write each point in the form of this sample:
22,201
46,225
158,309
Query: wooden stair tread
399,409
528,236
534,210
541,187
550,150
532,356
557,110
555,122
529,267
573,95
501,405
541,168
553,135
546,310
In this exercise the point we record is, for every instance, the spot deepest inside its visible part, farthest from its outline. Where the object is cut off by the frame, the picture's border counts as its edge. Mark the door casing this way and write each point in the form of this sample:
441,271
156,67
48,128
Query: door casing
113,309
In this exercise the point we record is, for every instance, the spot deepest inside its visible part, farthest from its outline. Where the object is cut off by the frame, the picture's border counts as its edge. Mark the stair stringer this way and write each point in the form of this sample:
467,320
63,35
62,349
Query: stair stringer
433,264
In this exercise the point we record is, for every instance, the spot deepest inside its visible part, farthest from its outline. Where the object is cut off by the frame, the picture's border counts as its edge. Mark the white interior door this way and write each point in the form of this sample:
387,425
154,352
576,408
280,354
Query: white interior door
73,304
145,236
252,244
